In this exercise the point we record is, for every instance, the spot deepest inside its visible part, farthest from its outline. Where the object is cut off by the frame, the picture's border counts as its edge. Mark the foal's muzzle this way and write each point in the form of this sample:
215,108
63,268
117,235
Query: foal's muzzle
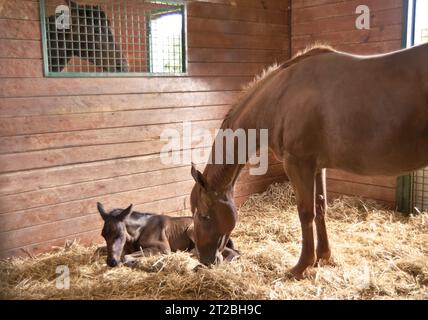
111,262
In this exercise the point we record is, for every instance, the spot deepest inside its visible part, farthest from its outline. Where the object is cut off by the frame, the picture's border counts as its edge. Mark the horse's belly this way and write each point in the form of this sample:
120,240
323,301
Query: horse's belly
389,160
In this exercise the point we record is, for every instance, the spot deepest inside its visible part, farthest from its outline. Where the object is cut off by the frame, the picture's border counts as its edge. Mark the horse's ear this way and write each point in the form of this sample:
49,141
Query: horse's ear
199,178
101,210
122,216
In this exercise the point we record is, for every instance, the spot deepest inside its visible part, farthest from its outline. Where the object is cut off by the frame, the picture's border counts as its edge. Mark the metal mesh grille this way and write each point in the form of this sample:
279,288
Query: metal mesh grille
111,36
420,190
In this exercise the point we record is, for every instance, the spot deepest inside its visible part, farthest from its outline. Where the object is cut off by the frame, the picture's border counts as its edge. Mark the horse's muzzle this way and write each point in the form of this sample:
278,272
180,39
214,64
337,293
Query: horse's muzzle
213,260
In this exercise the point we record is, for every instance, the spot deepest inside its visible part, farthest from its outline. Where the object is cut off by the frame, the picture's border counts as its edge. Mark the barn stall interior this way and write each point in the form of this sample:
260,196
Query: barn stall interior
89,87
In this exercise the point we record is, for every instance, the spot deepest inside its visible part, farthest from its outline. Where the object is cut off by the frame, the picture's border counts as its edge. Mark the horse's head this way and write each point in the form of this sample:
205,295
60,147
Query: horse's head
214,217
114,232
93,38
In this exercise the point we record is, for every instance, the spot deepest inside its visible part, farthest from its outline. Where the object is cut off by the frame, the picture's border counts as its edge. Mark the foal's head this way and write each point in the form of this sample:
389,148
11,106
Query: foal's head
214,217
114,232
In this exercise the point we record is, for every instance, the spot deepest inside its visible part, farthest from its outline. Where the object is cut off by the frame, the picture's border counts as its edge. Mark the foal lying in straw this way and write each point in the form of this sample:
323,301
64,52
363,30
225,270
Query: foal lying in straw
131,234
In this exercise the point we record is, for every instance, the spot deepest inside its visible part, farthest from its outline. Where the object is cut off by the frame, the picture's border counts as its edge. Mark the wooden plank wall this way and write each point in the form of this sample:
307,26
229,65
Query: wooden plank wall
333,22
67,143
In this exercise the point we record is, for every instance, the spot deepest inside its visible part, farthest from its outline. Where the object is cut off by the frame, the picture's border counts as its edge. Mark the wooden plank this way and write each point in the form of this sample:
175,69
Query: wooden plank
39,106
345,23
22,68
19,9
357,189
22,143
234,27
10,68
25,181
344,8
29,87
46,197
19,29
23,49
226,69
390,182
348,37
280,5
214,11
236,55
72,155
312,3
222,40
73,122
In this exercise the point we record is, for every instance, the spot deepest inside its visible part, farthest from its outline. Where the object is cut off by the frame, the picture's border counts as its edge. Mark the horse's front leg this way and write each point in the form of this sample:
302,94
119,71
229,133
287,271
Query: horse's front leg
323,247
302,177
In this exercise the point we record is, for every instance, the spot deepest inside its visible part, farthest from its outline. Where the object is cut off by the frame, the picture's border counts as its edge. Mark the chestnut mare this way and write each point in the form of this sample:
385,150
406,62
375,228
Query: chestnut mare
324,109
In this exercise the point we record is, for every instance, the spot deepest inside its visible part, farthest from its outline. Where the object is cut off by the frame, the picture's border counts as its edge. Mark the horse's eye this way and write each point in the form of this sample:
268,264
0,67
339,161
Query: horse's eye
205,218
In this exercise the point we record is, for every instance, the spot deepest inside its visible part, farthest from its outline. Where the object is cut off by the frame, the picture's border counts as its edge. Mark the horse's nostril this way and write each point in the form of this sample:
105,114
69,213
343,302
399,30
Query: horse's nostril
112,262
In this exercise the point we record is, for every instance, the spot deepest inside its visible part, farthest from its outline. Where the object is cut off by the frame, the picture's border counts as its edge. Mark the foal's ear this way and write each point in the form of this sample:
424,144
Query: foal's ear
101,210
199,178
122,216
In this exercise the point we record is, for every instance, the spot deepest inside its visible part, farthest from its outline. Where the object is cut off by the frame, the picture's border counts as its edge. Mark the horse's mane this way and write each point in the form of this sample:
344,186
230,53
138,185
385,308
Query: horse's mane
310,51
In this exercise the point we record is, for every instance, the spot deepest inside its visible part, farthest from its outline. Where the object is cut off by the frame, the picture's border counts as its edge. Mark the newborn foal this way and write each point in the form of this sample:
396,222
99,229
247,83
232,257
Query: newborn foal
131,234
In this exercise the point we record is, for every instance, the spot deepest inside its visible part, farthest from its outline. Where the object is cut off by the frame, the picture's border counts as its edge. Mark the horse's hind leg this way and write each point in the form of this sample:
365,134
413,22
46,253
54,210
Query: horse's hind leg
323,248
302,177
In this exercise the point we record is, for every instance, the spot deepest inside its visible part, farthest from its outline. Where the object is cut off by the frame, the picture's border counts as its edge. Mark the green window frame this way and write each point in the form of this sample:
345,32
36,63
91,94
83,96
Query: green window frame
170,7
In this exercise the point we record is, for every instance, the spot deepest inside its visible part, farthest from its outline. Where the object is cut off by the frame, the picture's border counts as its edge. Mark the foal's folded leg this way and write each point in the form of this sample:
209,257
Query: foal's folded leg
131,258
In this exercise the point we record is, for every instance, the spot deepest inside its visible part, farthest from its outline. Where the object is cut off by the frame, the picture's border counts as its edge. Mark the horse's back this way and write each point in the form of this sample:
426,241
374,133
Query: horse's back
361,114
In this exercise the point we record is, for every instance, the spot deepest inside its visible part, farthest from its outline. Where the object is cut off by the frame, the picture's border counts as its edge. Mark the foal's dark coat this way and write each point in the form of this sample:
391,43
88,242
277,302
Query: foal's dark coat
131,234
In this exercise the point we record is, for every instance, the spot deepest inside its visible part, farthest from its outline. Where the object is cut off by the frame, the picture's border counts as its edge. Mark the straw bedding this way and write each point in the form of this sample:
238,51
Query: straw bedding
377,254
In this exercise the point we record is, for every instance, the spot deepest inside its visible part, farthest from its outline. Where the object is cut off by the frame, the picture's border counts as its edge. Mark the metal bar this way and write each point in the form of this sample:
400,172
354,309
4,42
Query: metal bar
404,33
403,193
171,46
413,31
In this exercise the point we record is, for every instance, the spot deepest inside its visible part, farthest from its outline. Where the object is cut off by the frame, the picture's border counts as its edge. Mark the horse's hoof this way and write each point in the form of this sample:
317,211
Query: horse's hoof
297,272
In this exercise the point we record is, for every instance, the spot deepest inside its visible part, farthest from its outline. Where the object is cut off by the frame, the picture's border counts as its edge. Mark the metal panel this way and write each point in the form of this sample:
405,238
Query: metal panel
420,190
108,38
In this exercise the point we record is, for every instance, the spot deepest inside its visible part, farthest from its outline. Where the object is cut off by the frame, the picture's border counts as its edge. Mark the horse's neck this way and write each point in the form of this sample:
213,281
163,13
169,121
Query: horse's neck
135,225
221,176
